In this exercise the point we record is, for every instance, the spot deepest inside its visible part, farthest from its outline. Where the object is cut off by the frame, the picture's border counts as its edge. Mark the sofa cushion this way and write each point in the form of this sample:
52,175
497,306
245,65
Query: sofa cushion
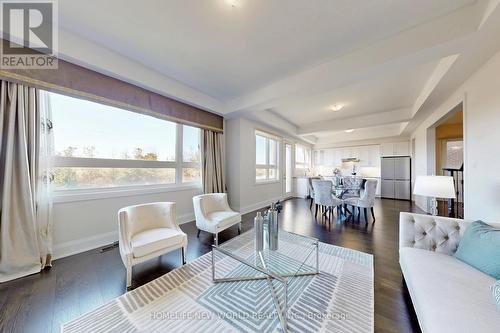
448,295
480,248
149,241
495,290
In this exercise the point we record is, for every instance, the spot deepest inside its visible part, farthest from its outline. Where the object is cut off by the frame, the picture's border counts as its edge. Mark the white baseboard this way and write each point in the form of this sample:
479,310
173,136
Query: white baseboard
70,248
186,218
259,205
85,244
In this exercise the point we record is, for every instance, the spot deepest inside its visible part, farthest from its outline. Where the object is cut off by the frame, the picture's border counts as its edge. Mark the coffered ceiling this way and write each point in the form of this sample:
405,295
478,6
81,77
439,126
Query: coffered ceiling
387,62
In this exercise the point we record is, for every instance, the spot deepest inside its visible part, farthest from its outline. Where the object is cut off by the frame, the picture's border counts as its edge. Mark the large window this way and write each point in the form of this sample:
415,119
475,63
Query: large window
99,146
302,157
266,157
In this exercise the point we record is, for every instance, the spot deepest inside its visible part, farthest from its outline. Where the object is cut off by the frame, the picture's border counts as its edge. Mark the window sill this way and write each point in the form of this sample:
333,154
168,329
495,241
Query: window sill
266,182
61,196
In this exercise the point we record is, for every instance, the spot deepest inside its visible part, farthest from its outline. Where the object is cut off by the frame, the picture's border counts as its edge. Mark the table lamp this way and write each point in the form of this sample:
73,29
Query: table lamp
435,187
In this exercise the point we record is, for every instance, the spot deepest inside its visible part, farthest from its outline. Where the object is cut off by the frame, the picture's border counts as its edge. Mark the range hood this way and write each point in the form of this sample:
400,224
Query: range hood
350,159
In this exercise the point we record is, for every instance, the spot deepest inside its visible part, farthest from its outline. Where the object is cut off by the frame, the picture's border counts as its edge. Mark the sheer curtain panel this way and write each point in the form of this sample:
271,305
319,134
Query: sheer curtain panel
24,204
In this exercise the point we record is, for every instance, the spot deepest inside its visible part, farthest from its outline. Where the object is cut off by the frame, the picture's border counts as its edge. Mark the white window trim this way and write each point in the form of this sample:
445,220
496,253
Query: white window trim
82,194
306,164
268,166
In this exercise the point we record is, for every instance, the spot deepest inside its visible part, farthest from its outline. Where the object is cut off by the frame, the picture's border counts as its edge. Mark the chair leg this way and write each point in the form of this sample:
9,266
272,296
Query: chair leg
198,235
316,214
129,278
183,255
373,214
311,204
366,214
239,228
216,239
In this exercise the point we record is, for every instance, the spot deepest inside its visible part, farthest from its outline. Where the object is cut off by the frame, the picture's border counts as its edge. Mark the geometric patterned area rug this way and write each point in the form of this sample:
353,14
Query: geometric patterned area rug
339,299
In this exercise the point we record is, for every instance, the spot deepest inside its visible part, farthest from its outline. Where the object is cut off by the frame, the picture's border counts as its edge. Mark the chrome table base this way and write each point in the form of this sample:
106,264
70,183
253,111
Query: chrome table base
281,309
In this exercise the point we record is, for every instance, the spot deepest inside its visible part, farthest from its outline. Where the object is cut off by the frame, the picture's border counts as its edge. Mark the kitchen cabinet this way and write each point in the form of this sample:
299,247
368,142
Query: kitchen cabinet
302,187
395,149
402,149
369,156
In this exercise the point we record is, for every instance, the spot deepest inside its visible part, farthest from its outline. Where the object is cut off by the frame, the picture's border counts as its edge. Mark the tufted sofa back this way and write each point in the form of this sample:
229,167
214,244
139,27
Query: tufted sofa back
433,233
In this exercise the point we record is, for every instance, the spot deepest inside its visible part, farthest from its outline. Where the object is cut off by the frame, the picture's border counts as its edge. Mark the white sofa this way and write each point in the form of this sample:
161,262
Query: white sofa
447,294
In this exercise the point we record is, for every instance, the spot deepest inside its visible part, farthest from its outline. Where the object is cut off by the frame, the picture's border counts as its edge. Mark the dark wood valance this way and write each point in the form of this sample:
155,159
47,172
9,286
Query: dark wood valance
77,81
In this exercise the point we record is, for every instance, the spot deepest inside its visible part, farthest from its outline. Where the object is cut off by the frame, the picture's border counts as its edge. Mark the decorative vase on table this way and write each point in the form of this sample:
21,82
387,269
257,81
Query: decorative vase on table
258,224
273,227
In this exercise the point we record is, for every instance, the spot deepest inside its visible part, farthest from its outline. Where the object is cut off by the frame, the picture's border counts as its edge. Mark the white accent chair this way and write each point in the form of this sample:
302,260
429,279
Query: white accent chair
449,296
367,199
213,214
148,231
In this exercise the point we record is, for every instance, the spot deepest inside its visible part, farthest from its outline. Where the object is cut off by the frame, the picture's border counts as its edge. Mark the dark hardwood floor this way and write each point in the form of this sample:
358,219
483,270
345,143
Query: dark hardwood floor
80,283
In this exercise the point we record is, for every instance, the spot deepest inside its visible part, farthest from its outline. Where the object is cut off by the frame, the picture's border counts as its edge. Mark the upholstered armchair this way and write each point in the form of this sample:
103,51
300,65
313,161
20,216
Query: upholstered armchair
213,214
148,231
366,200
323,196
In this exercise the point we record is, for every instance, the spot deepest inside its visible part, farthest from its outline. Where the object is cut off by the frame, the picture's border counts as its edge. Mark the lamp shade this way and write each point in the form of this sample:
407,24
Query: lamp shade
435,186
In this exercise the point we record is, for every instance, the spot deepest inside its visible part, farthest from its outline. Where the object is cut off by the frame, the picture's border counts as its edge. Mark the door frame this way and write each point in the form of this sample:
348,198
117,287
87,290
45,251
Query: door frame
284,172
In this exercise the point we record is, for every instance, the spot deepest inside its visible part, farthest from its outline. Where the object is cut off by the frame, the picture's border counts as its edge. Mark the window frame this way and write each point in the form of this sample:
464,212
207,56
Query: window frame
307,157
267,166
86,193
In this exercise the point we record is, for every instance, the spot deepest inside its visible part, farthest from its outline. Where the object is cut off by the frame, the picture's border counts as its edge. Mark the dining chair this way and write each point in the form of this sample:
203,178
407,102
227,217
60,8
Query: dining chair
311,189
353,186
148,231
323,196
367,199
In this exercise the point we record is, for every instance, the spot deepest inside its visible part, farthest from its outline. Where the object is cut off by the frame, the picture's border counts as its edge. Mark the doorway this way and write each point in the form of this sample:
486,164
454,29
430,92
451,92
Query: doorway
450,159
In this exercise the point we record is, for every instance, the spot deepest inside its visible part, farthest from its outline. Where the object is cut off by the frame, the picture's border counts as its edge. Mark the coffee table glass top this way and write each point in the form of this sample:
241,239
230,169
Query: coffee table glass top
296,254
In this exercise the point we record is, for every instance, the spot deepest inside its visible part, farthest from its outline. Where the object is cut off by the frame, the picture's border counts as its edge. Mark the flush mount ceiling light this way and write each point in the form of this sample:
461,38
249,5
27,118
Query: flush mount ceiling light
336,107
349,130
233,3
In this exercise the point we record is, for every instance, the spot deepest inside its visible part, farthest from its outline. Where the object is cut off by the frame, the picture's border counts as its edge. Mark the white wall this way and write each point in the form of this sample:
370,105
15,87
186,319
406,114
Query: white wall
481,97
81,225
245,194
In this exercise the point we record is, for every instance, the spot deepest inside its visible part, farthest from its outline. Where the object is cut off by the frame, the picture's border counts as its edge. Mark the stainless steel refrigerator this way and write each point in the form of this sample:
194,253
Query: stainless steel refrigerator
396,178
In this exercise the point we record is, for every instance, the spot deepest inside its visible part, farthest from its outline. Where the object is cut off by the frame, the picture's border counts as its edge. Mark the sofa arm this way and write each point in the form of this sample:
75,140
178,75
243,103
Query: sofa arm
432,233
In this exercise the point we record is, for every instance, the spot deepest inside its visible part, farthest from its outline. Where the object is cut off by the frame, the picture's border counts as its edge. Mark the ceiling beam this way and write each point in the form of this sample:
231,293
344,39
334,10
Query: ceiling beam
370,120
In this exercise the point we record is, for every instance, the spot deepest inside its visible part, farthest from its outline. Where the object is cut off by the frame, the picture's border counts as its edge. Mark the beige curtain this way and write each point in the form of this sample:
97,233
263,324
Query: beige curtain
212,153
20,230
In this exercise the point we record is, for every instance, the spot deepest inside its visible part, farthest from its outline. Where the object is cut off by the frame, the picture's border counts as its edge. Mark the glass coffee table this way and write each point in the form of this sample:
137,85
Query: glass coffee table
296,256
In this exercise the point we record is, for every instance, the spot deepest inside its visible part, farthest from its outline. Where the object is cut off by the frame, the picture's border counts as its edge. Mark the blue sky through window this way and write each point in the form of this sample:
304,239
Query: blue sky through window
101,131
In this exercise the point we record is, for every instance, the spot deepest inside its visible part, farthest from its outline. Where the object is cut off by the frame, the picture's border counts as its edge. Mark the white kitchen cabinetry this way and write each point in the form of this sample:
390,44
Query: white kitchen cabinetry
395,149
402,148
369,156
302,189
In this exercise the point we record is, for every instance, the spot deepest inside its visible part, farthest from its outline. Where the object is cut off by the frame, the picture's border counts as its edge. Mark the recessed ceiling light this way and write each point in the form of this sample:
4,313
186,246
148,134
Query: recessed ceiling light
349,130
233,3
336,107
